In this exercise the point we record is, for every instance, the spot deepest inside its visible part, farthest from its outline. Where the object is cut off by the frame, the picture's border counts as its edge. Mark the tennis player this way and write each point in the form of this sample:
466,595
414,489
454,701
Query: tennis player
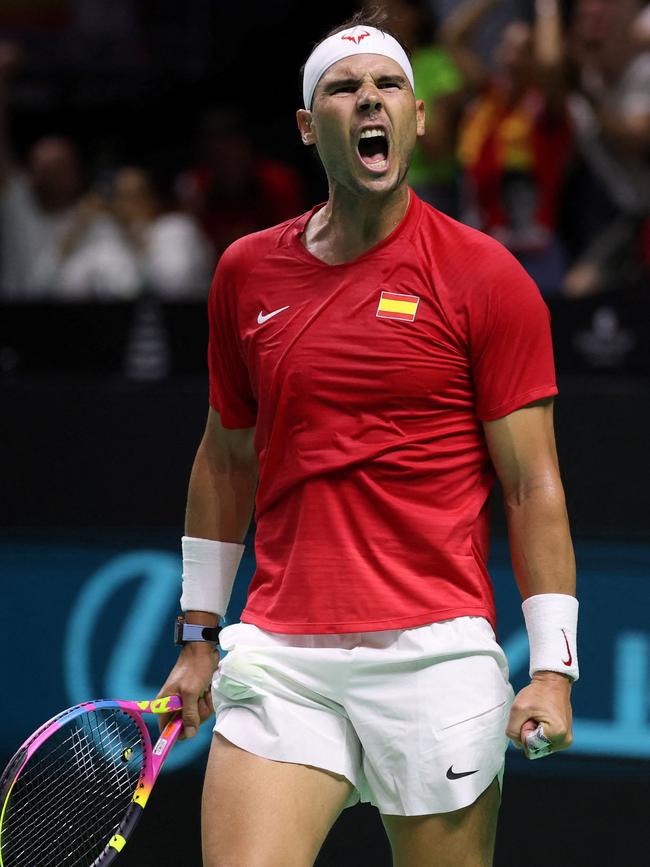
373,365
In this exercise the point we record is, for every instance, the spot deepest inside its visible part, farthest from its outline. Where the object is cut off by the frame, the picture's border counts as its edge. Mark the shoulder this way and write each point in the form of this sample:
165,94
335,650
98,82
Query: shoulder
241,259
464,255
478,282
244,254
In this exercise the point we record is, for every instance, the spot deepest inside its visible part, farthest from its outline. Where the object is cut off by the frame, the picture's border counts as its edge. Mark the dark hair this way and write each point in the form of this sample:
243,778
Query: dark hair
368,16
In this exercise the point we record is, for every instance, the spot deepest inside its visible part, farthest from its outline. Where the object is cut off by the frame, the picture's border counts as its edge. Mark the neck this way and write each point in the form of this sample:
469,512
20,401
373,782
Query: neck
351,224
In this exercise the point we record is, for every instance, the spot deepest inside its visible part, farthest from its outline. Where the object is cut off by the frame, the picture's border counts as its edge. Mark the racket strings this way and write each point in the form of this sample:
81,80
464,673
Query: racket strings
73,793
83,762
82,776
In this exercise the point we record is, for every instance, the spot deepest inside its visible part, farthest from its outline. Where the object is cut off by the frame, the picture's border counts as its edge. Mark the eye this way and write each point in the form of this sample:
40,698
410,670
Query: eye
390,85
346,88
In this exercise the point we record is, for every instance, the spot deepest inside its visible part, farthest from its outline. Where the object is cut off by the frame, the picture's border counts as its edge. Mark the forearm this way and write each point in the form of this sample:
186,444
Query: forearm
219,506
540,542
522,448
544,565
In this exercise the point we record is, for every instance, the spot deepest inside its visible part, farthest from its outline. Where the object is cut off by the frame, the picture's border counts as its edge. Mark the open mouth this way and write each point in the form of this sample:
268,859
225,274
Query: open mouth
373,148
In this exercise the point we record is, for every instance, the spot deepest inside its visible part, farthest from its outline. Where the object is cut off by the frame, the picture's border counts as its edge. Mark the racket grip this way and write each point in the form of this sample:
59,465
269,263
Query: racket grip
166,741
537,744
166,704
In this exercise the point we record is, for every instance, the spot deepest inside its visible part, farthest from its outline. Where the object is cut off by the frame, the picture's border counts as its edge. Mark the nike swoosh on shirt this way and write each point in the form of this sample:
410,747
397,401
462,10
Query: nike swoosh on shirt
453,776
263,317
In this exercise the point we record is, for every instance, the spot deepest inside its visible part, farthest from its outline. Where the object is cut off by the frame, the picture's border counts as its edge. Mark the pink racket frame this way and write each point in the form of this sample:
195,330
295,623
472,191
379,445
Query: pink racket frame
153,758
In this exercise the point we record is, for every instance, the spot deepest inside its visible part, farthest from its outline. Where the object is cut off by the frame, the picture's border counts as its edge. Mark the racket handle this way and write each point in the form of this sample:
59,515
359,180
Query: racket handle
166,741
537,744
166,704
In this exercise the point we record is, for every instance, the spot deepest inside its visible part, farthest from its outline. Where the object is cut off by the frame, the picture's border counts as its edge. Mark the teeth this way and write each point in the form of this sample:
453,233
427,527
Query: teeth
373,133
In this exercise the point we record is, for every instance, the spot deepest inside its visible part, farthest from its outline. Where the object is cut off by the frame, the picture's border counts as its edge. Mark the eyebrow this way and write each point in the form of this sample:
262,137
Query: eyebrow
350,81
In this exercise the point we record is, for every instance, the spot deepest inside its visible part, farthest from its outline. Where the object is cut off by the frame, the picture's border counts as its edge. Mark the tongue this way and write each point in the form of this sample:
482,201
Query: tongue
372,150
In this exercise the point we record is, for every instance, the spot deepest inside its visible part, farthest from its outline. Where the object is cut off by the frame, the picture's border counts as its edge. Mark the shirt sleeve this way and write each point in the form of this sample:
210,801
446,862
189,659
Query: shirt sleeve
511,349
231,393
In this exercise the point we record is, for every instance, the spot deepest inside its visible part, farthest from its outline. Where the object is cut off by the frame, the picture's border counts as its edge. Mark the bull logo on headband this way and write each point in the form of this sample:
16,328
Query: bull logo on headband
356,39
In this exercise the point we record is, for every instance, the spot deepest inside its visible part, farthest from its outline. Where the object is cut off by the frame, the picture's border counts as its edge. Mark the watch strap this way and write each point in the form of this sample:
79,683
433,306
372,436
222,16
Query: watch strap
185,632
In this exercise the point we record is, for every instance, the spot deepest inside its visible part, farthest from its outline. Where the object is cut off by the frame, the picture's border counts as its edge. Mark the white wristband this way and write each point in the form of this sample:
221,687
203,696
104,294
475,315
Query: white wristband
552,625
209,570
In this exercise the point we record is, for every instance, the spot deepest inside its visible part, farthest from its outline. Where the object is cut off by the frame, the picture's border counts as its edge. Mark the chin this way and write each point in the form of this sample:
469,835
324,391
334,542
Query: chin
380,183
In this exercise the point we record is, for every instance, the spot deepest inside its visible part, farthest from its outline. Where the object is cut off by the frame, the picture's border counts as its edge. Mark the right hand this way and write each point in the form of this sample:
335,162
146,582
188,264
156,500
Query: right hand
191,678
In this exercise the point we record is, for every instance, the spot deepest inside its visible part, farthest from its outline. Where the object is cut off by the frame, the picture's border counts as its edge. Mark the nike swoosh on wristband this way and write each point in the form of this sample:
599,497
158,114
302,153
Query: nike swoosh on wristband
453,776
263,317
568,650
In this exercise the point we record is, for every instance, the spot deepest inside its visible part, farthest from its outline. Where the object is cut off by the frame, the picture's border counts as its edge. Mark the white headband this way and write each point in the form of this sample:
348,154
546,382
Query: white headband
356,40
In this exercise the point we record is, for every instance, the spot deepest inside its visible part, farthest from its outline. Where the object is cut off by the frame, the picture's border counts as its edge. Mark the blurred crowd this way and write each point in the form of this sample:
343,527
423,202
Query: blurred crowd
545,144
543,141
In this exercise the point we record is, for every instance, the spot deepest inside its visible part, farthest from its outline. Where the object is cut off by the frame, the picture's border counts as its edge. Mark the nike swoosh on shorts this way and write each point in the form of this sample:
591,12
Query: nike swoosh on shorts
453,776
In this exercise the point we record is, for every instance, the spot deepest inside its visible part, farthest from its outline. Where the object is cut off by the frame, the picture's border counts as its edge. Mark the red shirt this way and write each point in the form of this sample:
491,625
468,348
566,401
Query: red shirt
372,505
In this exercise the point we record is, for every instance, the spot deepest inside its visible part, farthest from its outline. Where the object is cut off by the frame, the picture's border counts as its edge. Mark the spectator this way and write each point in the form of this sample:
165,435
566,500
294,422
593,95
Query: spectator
641,30
434,169
55,242
515,137
234,189
172,256
608,204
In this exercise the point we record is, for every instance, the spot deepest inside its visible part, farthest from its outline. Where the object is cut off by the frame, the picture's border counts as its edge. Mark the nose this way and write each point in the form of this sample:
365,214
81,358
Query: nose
369,99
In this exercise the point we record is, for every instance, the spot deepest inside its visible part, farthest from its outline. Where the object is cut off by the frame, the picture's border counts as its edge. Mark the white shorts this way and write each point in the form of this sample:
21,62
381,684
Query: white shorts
415,719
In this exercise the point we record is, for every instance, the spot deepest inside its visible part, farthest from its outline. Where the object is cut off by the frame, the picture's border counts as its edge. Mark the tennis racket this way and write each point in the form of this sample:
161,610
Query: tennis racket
538,746
74,791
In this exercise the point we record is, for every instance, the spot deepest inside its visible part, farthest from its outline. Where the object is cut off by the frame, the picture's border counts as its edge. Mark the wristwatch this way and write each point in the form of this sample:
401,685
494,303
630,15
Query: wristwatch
184,632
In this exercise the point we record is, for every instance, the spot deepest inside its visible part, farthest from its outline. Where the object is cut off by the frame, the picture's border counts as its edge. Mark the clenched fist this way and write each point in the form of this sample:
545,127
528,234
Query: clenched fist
546,700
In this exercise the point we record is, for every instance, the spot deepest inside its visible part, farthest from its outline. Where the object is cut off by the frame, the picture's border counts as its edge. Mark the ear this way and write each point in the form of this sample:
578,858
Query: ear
305,120
419,116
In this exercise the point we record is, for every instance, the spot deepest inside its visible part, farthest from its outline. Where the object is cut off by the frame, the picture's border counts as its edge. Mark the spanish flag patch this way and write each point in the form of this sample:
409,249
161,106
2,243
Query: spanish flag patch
395,306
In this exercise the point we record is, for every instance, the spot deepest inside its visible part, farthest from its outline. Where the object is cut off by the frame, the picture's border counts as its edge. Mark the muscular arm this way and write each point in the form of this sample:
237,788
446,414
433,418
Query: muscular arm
222,483
219,507
221,492
522,448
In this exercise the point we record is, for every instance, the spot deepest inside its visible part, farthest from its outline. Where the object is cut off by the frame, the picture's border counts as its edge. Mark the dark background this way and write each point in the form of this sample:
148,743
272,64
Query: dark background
94,461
